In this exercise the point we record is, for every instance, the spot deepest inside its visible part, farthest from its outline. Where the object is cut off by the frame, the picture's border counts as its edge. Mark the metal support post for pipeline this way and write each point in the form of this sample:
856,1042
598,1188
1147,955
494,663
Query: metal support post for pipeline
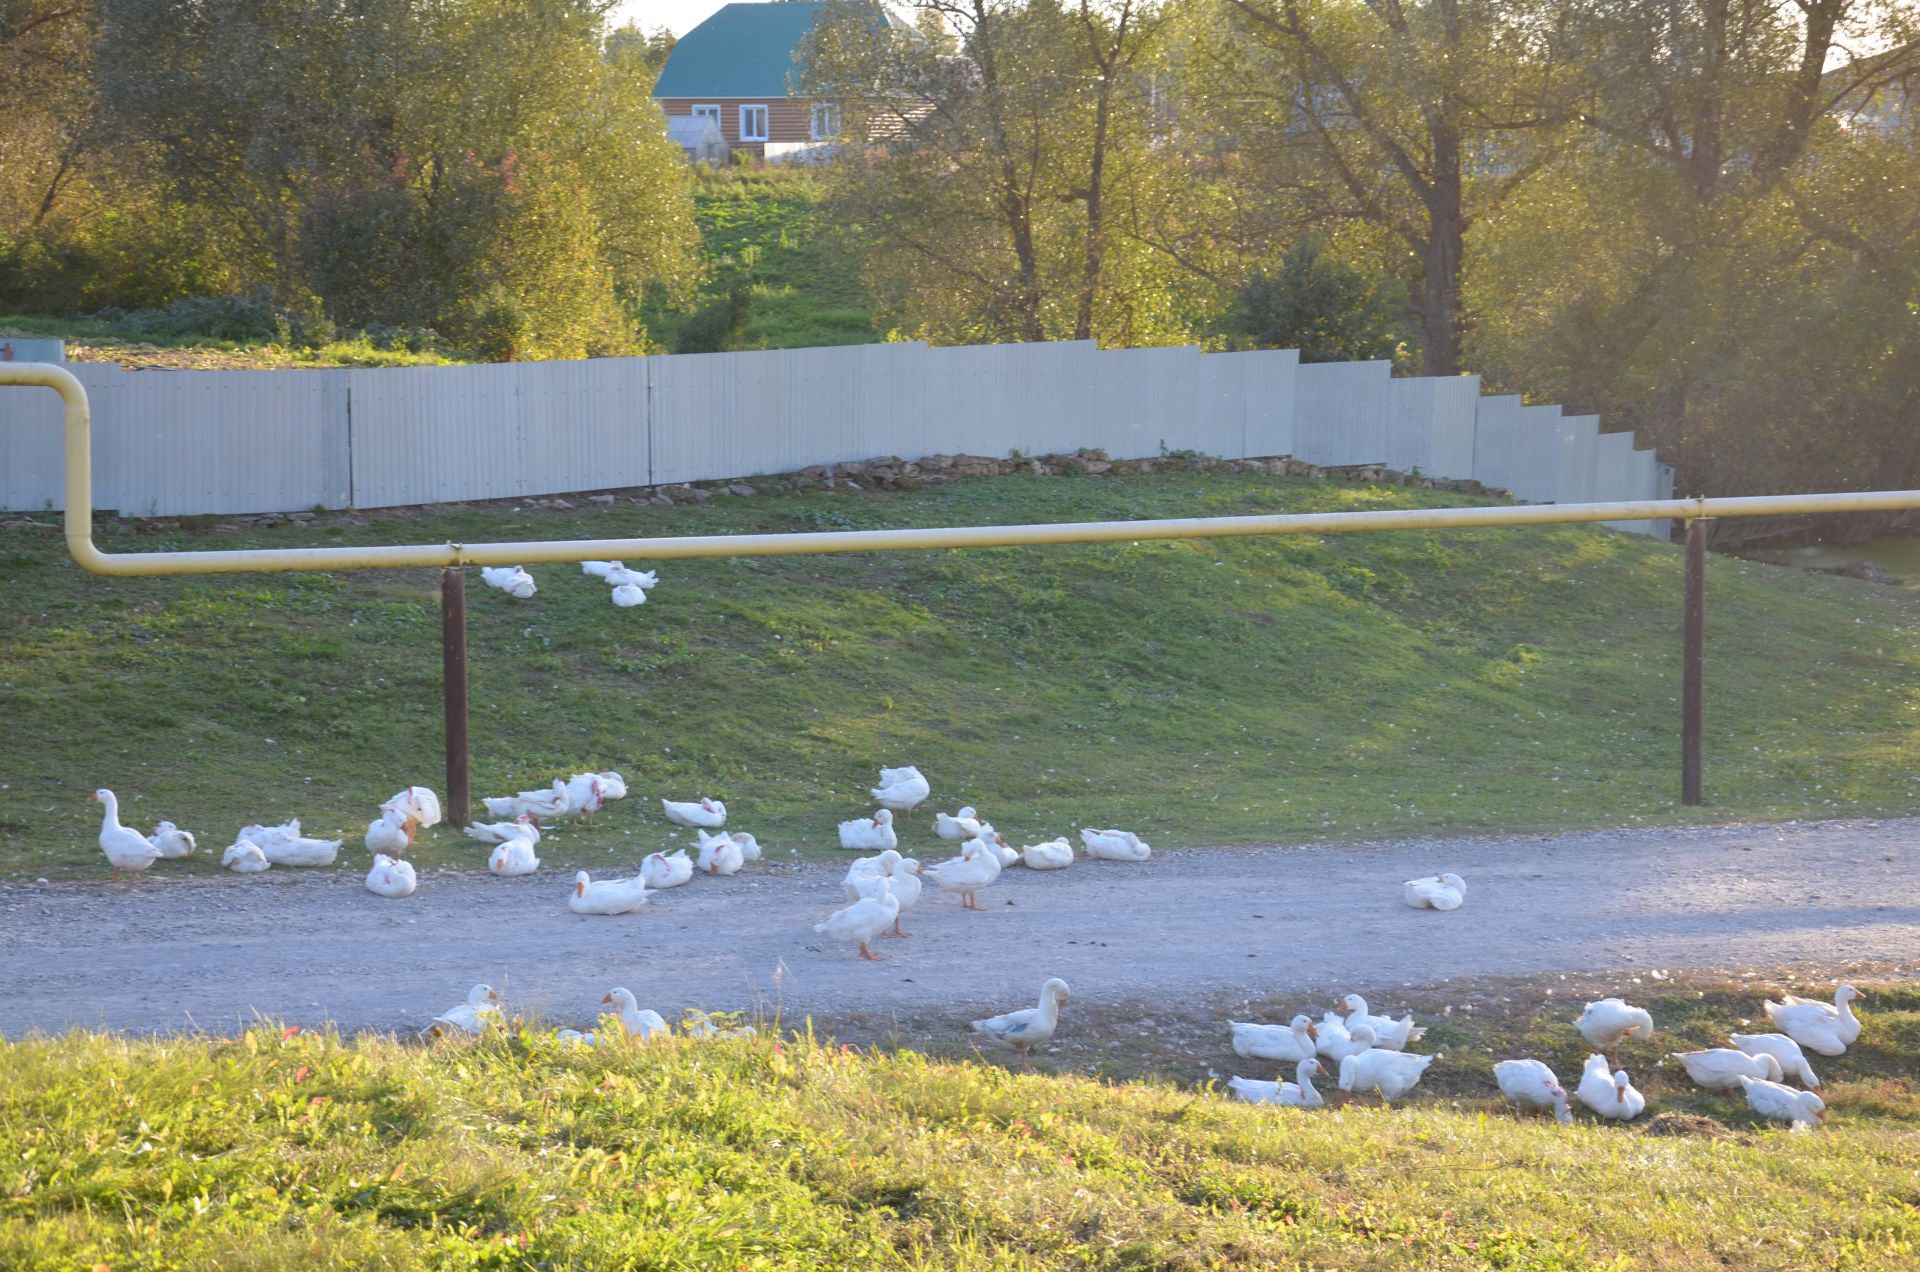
453,642
1694,656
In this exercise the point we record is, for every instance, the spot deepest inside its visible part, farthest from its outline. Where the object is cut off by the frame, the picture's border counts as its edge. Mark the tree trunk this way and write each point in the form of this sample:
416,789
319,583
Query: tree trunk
1442,254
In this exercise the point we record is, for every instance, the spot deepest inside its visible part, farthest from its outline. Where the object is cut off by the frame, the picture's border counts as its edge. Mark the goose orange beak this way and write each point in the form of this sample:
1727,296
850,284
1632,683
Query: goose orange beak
607,999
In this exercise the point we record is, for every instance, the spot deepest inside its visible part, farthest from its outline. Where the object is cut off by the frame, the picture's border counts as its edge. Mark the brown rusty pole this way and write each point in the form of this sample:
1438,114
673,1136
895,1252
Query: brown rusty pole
453,648
1693,674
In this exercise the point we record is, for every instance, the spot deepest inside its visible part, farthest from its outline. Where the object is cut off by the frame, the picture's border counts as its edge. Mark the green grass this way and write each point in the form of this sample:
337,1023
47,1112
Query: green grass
264,1151
1207,692
90,340
780,278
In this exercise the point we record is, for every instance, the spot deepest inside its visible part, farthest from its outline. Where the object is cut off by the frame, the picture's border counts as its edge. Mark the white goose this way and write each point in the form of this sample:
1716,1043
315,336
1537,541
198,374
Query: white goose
470,1016
621,576
417,804
548,803
511,579
1436,892
1003,852
171,842
865,919
302,851
903,885
869,868
1055,854
1609,1022
1532,1084
749,846
1274,1042
626,596
963,825
710,813
612,786
1391,1073
1389,1034
390,878
243,856
660,871
1115,845
719,854
1022,1031
585,793
636,1021
1346,1044
1298,1094
1793,1061
873,833
521,827
272,836
389,834
1609,1094
1770,1099
610,896
975,868
1823,1028
1330,1036
128,851
901,789
1721,1068
512,858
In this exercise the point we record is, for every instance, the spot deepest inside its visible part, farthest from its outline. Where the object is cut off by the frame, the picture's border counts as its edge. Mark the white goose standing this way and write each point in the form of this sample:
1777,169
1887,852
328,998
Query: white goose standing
1532,1084
128,851
1022,1031
975,868
1793,1061
1721,1068
901,789
865,919
1608,1022
1390,1073
1823,1028
1771,1099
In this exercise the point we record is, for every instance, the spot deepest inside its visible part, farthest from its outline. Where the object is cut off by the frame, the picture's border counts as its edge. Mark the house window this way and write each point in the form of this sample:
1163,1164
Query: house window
707,112
753,123
824,124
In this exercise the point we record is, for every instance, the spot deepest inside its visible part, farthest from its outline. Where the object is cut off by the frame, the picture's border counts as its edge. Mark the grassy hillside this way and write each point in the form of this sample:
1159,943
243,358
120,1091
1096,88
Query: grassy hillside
779,277
271,1151
1220,692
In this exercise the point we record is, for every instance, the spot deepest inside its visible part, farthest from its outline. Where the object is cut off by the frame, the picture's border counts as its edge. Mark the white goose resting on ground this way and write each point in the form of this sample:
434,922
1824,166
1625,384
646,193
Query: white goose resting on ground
719,854
538,805
621,576
1609,1094
609,896
749,846
171,842
1608,1022
128,851
511,579
1389,1034
662,871
1002,851
1055,854
271,836
1435,892
1330,1036
1825,1029
869,868
963,825
1771,1099
870,834
1298,1094
243,856
302,850
1022,1031
1391,1073
1531,1083
1721,1068
389,834
471,1016
626,596
513,857
636,1022
901,789
975,868
521,827
390,878
1340,1046
1793,1061
1274,1042
1115,845
710,813
865,919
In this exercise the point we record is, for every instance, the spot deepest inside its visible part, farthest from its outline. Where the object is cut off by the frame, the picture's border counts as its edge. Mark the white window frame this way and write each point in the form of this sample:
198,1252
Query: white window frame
709,110
766,122
831,111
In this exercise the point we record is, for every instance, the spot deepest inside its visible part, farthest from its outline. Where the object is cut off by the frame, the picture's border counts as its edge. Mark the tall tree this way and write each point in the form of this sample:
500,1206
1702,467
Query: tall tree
1416,117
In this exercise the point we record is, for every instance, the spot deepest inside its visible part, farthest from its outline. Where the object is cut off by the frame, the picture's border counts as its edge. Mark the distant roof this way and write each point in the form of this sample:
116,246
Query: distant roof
744,50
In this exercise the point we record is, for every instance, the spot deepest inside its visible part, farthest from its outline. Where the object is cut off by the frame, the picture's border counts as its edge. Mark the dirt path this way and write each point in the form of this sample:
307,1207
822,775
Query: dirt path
307,948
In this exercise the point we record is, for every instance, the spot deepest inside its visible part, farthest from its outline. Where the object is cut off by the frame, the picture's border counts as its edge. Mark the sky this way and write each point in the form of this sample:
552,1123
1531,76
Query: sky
678,16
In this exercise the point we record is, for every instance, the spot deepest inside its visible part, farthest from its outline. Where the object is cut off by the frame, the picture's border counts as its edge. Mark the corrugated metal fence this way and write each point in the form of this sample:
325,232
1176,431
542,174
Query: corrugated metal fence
172,443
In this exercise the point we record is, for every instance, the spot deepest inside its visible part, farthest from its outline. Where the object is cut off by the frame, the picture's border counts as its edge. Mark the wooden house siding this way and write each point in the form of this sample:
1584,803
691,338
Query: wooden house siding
788,118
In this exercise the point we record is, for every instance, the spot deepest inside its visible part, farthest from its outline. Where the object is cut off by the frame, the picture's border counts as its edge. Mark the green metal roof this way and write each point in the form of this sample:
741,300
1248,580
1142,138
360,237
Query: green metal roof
744,50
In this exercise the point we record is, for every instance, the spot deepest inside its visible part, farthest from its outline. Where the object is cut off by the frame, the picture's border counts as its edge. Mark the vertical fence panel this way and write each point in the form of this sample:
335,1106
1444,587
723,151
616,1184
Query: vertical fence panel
1271,380
33,440
1579,434
1341,411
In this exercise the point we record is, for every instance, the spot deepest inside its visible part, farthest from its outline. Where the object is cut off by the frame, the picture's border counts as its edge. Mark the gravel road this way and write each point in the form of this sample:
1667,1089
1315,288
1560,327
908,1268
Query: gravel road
309,947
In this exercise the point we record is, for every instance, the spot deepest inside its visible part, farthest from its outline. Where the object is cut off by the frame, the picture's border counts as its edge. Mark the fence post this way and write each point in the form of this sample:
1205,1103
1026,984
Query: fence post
453,649
1693,672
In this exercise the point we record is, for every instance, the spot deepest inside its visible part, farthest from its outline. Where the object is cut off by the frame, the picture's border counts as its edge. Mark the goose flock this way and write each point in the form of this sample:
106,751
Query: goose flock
1363,1052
